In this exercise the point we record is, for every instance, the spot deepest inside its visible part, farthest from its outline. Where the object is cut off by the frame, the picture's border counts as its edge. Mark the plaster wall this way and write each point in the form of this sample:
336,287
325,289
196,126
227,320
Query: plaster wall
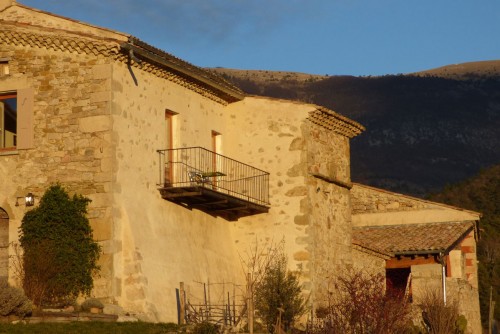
159,244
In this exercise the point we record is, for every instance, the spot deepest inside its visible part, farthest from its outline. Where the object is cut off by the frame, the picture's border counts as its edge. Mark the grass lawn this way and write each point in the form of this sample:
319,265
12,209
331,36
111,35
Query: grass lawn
91,327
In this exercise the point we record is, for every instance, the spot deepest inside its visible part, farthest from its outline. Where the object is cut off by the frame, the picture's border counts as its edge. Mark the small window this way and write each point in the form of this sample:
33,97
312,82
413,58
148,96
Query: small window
4,67
8,120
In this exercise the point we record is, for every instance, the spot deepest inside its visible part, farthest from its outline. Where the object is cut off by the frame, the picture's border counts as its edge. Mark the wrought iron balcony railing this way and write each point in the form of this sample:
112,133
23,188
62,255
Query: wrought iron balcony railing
199,167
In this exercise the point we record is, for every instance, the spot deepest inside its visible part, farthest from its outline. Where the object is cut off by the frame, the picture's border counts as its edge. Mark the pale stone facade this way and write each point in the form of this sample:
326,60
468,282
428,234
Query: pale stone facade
95,105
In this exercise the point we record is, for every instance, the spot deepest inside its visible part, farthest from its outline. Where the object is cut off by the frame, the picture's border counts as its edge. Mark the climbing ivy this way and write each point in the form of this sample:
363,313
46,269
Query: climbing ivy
60,255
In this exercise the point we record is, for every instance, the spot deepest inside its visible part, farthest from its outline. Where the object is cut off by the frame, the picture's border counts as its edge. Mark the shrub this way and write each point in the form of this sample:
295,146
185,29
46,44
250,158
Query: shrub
60,255
360,303
439,318
205,328
13,301
278,290
90,303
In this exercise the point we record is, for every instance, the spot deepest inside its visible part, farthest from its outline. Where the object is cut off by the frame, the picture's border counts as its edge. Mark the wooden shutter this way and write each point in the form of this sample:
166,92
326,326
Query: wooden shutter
25,101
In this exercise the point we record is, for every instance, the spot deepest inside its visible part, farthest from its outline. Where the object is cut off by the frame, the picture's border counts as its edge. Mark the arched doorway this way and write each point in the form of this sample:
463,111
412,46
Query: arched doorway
4,245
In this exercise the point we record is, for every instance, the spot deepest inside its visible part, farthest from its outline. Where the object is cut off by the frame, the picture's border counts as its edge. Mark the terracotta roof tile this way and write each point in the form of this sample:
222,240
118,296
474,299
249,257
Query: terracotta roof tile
335,122
411,239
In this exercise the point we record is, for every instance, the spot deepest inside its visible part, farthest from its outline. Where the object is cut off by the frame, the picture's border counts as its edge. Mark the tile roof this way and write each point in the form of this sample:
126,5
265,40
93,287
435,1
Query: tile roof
413,238
335,122
176,62
156,61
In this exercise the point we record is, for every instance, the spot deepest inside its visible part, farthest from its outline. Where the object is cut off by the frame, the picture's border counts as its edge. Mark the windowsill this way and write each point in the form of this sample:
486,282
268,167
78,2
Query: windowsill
8,151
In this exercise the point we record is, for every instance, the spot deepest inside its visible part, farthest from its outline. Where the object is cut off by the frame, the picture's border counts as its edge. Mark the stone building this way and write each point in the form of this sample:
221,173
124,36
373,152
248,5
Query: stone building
185,172
419,246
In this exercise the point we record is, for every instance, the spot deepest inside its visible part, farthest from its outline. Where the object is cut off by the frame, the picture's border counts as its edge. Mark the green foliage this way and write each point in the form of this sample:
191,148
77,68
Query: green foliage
278,289
13,301
205,328
94,327
60,255
461,324
482,193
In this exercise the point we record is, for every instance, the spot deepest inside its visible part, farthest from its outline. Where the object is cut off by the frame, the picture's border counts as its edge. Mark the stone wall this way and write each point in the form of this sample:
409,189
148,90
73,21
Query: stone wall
427,279
72,138
467,300
310,213
97,126
370,200
266,133
368,261
372,207
4,245
329,207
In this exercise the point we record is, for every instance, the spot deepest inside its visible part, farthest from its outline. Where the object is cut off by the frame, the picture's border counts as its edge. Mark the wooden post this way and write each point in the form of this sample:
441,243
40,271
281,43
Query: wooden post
234,304
182,320
491,312
228,308
223,304
250,302
206,305
209,308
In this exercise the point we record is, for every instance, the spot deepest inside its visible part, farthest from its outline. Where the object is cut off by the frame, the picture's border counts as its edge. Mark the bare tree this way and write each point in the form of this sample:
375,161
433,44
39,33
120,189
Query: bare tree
360,304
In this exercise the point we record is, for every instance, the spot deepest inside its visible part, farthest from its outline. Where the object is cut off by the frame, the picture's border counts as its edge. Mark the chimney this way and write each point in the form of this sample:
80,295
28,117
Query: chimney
6,3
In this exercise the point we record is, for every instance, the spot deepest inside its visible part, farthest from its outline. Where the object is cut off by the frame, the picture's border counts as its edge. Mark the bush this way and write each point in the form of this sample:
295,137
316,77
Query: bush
278,290
90,303
360,303
439,318
13,301
205,328
60,255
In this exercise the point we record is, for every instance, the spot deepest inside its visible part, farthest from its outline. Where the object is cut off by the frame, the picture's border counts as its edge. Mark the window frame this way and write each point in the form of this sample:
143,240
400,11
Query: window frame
7,95
25,116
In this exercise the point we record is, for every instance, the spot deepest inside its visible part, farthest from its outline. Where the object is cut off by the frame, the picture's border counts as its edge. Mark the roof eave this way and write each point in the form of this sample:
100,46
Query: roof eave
421,252
150,57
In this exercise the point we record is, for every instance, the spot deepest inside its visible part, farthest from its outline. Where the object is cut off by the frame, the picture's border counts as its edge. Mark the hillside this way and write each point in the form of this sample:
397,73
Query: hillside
424,130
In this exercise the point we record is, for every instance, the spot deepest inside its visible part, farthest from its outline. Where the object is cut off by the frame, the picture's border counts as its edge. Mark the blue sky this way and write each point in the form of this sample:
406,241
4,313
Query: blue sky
334,37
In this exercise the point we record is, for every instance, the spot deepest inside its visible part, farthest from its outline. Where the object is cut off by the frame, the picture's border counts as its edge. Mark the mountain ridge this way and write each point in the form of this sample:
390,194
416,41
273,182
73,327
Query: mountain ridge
424,130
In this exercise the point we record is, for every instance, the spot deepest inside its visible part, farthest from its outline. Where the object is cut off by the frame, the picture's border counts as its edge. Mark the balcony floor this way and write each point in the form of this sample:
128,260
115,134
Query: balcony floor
212,202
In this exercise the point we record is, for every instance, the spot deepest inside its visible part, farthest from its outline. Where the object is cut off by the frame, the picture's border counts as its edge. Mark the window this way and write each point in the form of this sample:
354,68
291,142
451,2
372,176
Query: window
8,120
169,140
216,148
216,141
4,67
16,119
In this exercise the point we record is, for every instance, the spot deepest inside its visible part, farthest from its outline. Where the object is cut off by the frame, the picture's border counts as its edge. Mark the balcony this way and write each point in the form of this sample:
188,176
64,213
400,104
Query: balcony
197,178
